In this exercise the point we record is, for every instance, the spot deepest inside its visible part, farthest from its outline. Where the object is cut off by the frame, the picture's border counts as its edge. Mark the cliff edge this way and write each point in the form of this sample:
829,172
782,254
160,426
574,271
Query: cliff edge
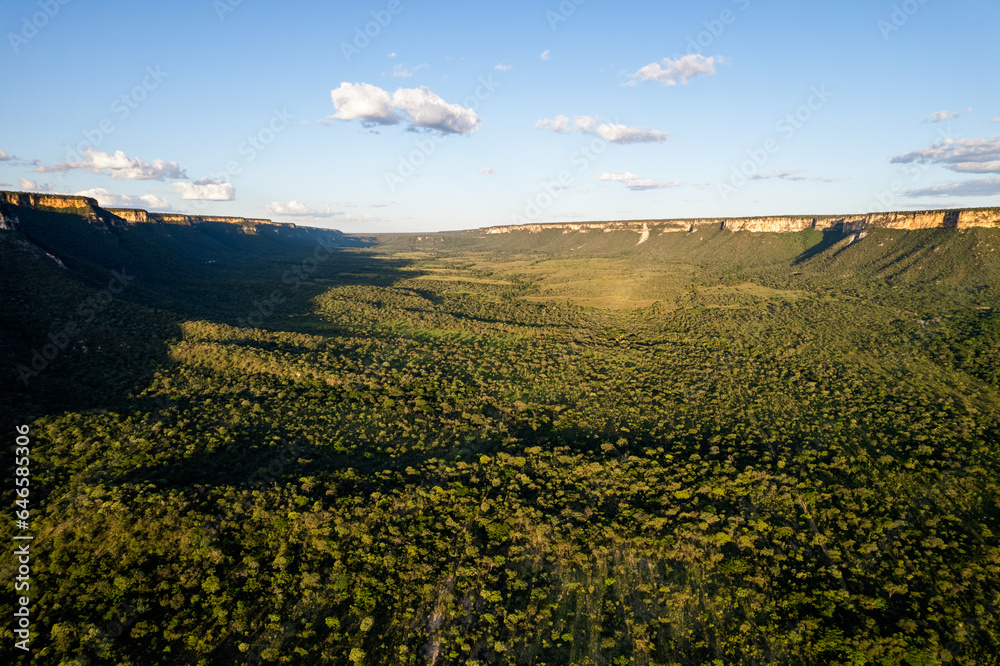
928,219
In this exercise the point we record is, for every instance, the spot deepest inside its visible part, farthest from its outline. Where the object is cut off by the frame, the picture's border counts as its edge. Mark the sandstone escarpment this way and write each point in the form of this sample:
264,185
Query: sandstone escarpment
135,215
15,204
37,200
929,219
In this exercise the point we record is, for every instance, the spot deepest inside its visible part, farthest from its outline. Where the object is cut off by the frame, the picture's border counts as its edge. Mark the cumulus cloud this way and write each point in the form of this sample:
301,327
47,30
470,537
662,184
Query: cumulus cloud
206,189
421,107
4,157
560,124
984,187
33,186
680,71
119,166
297,209
428,111
546,54
365,102
503,68
611,132
941,116
108,199
995,120
959,155
636,184
486,171
402,71
623,134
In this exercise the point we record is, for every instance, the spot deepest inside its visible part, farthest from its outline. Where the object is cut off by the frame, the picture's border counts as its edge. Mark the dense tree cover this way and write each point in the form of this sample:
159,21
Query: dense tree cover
435,455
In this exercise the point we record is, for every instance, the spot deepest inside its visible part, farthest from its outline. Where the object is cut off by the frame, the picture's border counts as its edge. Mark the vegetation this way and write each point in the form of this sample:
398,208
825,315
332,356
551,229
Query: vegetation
755,449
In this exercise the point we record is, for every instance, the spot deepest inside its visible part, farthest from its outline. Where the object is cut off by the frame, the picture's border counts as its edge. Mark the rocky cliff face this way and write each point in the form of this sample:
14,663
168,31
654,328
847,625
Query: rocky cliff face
134,215
931,219
37,200
105,219
987,217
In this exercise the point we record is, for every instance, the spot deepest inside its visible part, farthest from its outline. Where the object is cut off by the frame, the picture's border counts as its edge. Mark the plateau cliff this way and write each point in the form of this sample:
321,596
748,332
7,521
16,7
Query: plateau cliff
14,205
930,219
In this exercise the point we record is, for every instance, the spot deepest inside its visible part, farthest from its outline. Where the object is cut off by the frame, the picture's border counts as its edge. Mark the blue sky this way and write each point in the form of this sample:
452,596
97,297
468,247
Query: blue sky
458,115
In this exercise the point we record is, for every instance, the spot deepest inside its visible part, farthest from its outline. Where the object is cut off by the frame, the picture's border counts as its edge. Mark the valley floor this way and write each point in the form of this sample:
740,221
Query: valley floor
733,449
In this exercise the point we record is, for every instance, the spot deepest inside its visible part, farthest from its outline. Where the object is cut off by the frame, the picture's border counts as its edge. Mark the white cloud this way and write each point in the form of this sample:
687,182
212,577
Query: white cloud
960,155
206,189
641,184
428,111
297,209
671,72
402,71
611,132
790,174
618,175
995,120
636,184
120,167
33,186
941,116
984,187
4,156
486,171
503,68
623,134
391,55
560,124
365,102
425,110
107,199
546,54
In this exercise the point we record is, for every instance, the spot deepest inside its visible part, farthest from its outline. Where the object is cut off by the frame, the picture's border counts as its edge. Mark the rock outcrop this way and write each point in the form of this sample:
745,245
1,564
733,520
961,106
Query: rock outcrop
37,200
928,219
16,207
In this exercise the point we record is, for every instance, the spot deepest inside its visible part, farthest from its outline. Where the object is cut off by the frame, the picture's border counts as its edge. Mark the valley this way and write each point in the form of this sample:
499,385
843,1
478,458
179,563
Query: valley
550,445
